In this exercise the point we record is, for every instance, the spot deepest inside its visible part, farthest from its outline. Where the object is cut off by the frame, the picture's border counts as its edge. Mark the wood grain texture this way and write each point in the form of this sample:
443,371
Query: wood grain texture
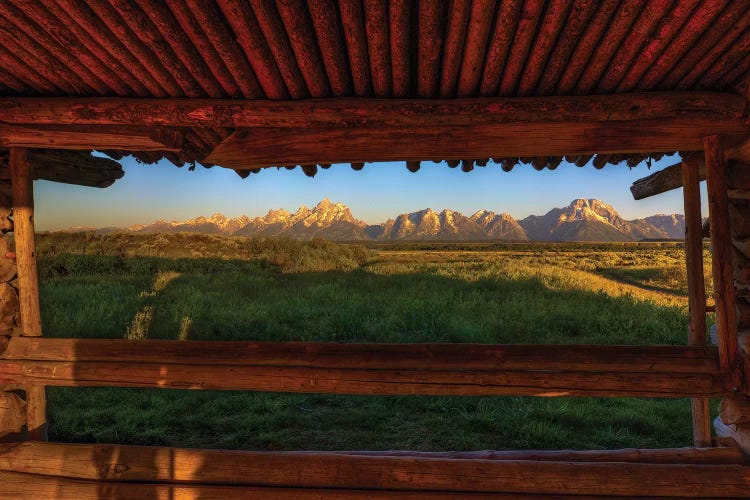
585,358
336,113
262,147
136,464
28,286
364,369
696,287
721,243
83,137
664,180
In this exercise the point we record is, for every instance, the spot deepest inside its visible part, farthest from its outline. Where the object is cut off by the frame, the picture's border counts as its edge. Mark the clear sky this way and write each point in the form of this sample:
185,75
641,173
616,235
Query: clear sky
379,191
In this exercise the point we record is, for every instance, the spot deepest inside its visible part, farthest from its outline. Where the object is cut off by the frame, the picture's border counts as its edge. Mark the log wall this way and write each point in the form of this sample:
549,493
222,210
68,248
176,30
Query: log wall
734,416
12,398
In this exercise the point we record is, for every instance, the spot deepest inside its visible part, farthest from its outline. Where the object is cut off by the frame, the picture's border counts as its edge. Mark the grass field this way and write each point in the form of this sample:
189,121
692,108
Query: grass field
212,288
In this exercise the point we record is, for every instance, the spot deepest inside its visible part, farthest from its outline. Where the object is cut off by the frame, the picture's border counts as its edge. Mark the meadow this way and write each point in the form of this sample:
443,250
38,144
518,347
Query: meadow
204,287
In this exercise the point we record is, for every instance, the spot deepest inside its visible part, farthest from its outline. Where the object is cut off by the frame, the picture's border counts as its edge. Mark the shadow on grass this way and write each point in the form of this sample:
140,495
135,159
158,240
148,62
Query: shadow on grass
248,300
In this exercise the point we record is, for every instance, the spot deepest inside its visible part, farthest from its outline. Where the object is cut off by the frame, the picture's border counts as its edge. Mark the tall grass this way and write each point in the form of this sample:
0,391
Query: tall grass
320,291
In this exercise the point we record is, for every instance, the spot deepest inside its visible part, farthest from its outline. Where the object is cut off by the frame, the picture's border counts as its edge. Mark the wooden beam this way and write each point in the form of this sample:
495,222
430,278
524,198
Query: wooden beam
721,243
28,286
69,167
670,177
696,287
87,137
665,180
362,369
181,467
669,107
19,486
74,167
447,356
705,455
261,147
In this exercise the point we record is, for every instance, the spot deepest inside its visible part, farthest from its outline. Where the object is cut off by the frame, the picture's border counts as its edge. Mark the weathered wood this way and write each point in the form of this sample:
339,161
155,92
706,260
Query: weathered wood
261,147
23,216
722,258
28,286
387,373
664,180
696,287
136,464
367,381
735,410
12,415
705,455
669,107
74,167
671,178
19,486
86,137
583,358
70,167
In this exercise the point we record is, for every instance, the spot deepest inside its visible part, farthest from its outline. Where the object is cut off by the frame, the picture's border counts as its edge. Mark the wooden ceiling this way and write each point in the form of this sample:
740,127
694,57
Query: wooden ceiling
296,49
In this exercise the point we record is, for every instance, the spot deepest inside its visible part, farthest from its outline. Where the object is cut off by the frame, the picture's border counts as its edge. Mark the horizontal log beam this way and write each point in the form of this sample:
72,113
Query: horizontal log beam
139,464
707,456
251,148
447,356
69,167
350,112
363,369
664,180
87,137
20,486
670,177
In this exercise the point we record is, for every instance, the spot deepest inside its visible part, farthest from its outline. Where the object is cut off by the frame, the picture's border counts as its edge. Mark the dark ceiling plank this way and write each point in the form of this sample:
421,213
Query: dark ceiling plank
546,39
455,34
325,19
247,32
587,44
400,23
378,46
575,27
477,39
430,41
497,52
82,22
606,47
690,38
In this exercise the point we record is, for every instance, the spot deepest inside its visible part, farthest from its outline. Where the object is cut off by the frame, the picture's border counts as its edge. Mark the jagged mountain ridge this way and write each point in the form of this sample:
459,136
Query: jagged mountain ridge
582,220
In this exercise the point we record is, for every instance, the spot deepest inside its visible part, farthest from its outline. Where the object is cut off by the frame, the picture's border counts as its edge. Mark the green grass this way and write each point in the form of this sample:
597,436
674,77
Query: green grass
435,293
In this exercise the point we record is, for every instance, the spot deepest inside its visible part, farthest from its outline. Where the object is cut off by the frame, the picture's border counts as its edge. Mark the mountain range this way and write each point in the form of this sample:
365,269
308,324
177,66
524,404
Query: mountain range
582,220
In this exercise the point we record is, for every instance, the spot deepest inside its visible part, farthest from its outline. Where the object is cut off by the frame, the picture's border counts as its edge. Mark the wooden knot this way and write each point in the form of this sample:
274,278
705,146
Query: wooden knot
113,470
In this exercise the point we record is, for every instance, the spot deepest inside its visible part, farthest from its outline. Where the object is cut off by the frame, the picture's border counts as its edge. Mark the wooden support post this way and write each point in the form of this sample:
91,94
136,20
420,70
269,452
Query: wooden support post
31,324
696,289
718,203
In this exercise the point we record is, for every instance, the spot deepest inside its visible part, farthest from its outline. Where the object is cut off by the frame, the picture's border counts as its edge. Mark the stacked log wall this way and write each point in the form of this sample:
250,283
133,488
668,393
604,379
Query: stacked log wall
12,397
734,413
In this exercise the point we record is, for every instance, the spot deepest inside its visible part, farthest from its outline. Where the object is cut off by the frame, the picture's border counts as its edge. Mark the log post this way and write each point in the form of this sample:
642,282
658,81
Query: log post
724,294
31,324
696,288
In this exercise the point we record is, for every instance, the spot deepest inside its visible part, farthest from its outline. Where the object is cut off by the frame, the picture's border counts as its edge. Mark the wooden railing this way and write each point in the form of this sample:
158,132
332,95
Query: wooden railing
43,470
385,369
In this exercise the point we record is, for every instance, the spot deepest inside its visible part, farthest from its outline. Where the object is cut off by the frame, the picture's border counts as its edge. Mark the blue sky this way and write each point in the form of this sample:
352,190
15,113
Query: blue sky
379,191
